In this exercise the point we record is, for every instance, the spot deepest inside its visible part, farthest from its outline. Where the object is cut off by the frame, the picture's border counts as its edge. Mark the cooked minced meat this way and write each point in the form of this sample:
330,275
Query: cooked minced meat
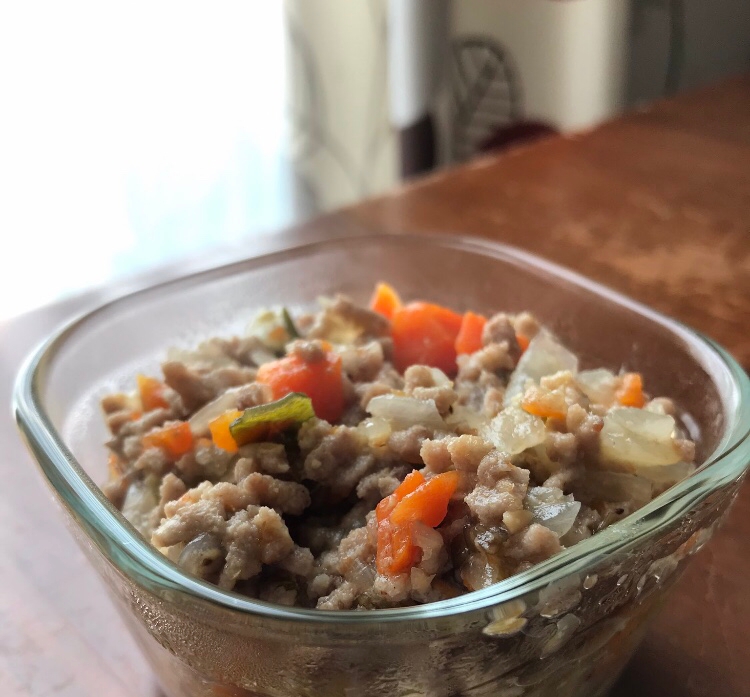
373,458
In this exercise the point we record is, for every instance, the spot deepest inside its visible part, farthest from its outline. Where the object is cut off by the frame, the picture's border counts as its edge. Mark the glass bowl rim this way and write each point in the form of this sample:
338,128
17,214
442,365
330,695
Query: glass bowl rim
139,560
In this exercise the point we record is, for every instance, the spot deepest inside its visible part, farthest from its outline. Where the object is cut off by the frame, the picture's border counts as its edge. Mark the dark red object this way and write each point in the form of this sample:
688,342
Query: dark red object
515,134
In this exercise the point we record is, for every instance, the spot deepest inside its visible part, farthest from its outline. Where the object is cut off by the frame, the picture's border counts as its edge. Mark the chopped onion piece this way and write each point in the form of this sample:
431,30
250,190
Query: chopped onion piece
376,430
202,556
173,552
261,356
551,508
657,406
638,438
513,430
431,543
224,402
333,326
403,412
208,355
617,486
544,356
140,501
466,418
668,474
598,385
269,327
361,575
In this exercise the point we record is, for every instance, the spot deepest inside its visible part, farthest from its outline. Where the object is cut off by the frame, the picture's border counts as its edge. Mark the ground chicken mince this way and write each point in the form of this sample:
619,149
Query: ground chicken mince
378,457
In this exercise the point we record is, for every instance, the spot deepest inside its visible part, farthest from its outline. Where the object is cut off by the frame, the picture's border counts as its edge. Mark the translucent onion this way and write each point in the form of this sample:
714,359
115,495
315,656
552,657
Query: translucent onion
269,327
617,486
639,438
377,430
361,575
544,356
668,474
334,327
421,582
209,355
138,505
173,552
224,402
598,385
360,360
431,543
403,412
202,556
551,508
465,418
481,570
261,356
513,430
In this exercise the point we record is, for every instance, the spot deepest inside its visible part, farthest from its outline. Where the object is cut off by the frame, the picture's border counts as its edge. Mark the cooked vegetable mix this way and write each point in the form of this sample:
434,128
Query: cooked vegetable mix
381,456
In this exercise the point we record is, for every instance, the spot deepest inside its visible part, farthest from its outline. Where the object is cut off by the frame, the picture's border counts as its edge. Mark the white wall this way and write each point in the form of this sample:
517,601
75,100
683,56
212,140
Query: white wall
570,56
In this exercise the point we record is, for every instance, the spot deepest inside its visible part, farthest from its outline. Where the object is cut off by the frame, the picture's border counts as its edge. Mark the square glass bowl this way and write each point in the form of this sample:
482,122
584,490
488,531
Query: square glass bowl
565,627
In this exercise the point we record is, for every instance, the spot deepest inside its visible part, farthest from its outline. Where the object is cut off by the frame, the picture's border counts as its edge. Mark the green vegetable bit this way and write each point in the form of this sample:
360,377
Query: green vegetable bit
262,422
289,324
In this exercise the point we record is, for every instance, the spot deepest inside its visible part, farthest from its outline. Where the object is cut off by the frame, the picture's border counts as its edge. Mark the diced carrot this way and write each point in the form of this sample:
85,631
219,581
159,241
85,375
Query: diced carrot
415,501
426,334
547,404
630,393
385,300
321,381
542,411
469,337
428,503
396,551
385,508
151,392
546,409
523,342
175,439
410,483
135,415
404,553
219,428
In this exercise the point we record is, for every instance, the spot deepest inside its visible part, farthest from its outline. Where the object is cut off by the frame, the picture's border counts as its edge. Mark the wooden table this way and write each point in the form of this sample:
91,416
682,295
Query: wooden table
656,204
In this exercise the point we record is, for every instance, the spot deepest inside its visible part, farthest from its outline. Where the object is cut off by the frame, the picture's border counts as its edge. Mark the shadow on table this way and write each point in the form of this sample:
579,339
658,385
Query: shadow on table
661,673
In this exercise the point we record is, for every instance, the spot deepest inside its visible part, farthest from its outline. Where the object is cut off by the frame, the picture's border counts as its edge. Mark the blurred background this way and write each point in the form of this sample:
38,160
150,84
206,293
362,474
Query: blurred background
135,134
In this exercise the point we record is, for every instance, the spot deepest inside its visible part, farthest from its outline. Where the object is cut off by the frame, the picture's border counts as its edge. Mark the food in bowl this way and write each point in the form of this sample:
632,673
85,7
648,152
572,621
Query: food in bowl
564,626
360,458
